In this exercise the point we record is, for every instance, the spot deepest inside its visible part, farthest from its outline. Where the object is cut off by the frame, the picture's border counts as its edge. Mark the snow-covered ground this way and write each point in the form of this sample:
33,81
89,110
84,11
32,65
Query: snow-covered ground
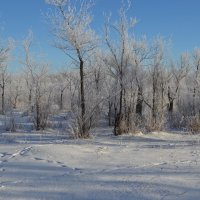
45,166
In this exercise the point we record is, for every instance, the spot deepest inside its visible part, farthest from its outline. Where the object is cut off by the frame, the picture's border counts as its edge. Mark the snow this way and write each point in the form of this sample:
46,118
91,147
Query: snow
43,166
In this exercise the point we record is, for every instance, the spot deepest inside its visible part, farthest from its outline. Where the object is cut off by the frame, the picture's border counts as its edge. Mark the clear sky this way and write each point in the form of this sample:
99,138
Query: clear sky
178,20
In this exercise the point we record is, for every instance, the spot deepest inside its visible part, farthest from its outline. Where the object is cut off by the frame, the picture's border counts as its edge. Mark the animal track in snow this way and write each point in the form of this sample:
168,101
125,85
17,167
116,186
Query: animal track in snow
61,164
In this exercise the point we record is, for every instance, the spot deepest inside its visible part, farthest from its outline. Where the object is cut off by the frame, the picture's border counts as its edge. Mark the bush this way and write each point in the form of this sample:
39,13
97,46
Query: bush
193,125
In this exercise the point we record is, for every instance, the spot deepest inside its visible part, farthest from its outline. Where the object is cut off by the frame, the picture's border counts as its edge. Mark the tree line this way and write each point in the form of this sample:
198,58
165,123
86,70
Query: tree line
132,81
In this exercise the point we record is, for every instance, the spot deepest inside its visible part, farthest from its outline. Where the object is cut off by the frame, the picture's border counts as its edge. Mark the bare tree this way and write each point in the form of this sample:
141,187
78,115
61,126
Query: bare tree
4,57
154,87
36,81
119,59
71,28
179,72
142,55
61,83
196,81
28,65
15,89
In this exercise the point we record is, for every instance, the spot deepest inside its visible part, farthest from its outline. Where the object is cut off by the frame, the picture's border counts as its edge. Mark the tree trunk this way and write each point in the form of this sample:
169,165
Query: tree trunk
117,129
139,102
162,100
125,105
120,100
83,121
15,102
110,113
171,101
154,106
3,99
193,106
37,115
30,101
61,100
171,106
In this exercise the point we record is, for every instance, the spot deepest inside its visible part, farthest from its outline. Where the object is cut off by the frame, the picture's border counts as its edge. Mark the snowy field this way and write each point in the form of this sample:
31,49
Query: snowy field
154,166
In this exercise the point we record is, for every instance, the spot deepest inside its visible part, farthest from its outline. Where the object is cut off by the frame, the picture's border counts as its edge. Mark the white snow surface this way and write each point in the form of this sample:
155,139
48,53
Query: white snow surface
155,166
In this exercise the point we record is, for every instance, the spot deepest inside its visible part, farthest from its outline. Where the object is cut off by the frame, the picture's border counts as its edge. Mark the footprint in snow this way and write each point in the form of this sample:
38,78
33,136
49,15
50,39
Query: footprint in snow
38,158
61,164
2,170
4,154
50,161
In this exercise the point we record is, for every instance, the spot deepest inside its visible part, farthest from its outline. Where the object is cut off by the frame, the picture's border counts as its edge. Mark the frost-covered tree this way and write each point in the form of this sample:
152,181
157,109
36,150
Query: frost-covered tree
179,72
36,74
61,83
155,87
16,90
70,24
120,45
5,50
196,81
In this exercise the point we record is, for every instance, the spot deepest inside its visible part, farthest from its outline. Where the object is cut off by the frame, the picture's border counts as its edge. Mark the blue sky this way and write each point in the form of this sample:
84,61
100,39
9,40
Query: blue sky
177,20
